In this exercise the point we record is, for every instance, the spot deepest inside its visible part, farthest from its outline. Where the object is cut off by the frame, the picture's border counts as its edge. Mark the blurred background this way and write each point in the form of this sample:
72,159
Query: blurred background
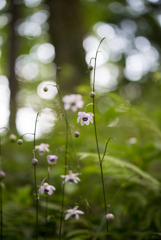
36,36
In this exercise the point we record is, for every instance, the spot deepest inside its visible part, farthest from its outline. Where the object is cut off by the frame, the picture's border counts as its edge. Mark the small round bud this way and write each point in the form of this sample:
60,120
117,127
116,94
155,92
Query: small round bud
76,134
92,94
110,217
20,141
12,138
90,68
34,161
2,175
45,89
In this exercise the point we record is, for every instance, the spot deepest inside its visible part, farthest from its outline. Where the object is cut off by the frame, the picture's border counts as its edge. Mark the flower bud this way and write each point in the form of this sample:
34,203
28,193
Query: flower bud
76,134
12,138
110,217
20,141
92,94
45,89
90,68
2,175
34,161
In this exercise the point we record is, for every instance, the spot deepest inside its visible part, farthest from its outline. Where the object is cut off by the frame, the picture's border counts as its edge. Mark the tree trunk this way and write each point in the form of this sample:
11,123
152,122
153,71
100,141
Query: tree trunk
12,58
67,36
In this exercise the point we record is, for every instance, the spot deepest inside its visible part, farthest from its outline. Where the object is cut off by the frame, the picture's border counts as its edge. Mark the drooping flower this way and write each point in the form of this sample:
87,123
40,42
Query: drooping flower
47,189
71,177
52,159
73,213
43,147
85,118
73,102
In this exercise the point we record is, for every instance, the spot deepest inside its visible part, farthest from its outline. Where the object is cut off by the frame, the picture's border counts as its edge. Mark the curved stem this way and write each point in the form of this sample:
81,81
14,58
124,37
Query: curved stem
35,178
96,137
35,131
106,148
94,75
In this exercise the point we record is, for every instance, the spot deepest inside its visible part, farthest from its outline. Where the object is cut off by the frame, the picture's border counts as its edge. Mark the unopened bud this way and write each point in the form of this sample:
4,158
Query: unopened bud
59,69
76,134
45,89
92,94
34,161
2,175
12,138
110,217
90,68
20,141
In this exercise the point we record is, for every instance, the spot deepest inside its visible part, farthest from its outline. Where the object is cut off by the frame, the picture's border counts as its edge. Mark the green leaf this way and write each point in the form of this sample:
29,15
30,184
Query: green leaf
117,163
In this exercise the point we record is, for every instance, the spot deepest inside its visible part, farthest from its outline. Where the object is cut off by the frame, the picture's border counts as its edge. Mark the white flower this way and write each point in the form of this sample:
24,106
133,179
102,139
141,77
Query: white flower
47,189
52,159
85,118
71,177
43,147
74,213
73,102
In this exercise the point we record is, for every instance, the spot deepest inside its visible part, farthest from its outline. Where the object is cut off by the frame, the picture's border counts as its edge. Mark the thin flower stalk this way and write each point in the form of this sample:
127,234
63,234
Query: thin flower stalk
96,137
65,154
35,178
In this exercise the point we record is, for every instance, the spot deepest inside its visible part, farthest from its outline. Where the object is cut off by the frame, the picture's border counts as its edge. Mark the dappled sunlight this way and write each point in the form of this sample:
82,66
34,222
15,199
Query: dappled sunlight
32,3
2,4
52,90
4,101
25,122
116,7
29,29
4,20
139,63
44,53
26,68
106,78
40,16
140,56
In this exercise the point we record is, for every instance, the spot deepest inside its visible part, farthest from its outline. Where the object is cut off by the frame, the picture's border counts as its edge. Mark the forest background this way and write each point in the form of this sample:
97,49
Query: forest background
36,36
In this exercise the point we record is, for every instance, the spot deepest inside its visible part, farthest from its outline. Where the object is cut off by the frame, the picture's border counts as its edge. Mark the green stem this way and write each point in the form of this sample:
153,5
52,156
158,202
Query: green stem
63,190
96,137
35,179
35,131
94,75
36,197
46,215
65,157
100,163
